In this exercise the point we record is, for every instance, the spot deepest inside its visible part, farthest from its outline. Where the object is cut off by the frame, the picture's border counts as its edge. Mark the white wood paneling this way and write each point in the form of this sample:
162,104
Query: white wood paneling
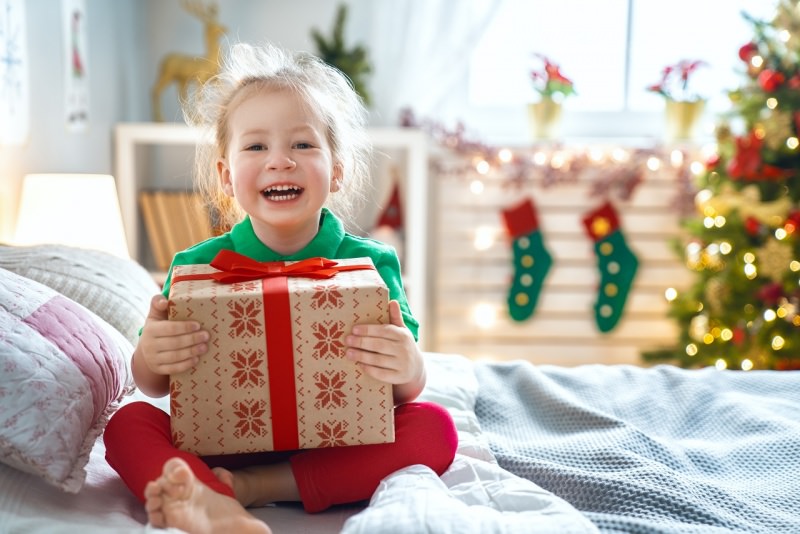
562,329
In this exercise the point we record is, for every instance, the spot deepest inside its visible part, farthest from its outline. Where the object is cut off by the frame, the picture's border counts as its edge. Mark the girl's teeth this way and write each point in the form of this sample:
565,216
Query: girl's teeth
280,193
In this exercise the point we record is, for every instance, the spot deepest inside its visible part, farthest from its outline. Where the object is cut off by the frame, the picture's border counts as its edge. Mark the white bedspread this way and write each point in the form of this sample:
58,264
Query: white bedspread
474,495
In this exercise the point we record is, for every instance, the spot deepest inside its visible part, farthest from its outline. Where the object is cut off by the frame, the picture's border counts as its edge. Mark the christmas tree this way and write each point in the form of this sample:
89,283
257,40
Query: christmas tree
743,309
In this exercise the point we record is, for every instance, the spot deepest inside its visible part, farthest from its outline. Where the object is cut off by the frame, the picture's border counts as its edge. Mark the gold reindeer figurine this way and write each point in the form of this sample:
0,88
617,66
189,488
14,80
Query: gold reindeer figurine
182,69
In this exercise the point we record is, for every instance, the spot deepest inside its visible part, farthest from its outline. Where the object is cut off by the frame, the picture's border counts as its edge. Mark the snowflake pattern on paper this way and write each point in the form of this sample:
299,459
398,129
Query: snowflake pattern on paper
326,297
178,439
332,433
330,386
245,313
246,287
250,416
248,365
329,335
175,406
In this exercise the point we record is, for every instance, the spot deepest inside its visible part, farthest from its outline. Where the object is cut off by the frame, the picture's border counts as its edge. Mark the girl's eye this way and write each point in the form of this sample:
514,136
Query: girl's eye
303,145
255,147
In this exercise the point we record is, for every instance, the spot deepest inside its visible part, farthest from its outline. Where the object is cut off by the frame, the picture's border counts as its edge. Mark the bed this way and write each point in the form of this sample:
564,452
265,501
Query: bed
541,448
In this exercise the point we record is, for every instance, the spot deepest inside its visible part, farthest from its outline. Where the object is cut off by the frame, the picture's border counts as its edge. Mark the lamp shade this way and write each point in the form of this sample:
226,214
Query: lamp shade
80,210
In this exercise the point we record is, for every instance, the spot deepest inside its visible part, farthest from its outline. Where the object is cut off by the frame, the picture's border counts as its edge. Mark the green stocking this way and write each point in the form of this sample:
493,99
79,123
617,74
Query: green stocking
531,259
616,263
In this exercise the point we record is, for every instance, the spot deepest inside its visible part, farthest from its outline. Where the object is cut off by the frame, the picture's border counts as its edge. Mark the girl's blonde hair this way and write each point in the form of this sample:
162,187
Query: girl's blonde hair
328,94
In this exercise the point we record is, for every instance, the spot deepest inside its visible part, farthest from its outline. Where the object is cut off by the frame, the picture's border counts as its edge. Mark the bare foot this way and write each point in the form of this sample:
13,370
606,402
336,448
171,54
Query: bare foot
177,499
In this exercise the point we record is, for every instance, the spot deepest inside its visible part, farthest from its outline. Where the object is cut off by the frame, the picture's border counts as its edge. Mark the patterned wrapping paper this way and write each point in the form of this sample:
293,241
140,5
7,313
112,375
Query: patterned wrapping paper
275,377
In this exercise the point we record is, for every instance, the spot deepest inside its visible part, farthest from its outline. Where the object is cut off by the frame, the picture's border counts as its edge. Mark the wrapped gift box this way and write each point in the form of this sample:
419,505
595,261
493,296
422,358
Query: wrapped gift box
275,376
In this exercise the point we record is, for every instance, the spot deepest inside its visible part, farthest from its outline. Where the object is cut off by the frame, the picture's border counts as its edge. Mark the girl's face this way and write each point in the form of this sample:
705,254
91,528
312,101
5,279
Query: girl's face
278,167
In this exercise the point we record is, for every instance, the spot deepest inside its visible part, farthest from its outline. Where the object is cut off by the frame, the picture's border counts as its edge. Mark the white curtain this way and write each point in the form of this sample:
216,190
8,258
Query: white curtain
420,51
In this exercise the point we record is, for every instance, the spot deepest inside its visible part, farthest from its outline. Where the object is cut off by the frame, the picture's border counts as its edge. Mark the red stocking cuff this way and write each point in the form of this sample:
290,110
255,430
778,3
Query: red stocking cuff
601,222
521,219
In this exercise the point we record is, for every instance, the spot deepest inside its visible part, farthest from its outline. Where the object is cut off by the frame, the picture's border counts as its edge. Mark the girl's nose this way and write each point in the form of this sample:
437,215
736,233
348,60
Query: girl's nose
280,161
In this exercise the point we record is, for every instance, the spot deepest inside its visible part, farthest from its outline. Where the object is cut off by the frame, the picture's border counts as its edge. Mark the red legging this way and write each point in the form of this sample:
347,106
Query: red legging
138,442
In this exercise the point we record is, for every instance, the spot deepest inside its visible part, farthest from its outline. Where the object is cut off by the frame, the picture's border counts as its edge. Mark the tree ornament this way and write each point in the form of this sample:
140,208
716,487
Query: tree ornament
531,259
774,258
615,261
770,293
747,163
752,226
778,127
747,51
746,201
792,222
770,80
717,292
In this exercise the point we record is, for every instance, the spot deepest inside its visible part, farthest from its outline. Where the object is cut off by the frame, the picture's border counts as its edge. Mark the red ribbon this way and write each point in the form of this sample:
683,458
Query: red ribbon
280,363
233,267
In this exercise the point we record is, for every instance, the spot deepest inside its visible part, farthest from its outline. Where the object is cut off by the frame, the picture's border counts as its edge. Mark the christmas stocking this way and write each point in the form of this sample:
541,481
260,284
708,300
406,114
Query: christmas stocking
616,262
531,259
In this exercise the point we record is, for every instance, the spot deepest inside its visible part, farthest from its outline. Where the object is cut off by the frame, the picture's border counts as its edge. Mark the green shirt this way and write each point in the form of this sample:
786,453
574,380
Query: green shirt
331,242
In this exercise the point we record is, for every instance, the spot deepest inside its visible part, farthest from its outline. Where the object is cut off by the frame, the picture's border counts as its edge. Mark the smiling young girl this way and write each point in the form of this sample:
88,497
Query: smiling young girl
289,142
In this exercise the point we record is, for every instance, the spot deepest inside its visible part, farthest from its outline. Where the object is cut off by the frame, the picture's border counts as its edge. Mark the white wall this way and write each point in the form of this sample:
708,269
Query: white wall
113,71
284,22
127,39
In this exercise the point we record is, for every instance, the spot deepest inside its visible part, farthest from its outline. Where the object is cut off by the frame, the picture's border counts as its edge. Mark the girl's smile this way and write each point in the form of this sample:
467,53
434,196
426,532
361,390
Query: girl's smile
282,192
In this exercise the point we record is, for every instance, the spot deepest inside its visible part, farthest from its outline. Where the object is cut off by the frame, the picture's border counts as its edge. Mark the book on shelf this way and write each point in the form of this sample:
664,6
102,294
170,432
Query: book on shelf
173,220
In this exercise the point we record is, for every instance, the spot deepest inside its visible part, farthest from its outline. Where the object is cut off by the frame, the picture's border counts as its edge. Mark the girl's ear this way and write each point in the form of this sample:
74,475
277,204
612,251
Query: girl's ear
337,177
224,174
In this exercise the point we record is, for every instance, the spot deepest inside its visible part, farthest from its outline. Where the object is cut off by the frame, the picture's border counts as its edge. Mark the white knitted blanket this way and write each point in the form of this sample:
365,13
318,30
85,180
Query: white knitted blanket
651,450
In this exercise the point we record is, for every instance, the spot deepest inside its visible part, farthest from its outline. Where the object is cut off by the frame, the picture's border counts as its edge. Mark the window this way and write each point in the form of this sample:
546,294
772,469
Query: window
612,50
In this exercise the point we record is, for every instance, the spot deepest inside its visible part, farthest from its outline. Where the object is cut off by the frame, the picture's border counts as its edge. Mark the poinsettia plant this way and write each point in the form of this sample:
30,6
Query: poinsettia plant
674,83
548,81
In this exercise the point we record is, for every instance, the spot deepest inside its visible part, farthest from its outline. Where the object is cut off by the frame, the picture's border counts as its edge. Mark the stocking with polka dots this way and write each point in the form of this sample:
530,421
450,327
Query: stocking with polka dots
531,260
615,261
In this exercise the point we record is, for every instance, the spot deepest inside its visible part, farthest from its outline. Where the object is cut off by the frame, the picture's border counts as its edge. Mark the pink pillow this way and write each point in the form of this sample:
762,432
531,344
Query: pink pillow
63,371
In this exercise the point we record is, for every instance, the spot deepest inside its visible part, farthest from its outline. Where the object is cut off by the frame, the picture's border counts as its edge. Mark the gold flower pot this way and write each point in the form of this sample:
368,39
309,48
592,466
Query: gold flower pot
545,119
682,118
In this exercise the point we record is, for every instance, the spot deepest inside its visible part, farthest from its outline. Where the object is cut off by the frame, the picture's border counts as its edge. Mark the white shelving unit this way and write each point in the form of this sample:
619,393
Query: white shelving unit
412,144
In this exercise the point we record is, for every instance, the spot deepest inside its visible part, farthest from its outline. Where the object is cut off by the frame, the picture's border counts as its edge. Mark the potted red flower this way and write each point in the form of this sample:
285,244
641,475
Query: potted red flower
553,87
683,106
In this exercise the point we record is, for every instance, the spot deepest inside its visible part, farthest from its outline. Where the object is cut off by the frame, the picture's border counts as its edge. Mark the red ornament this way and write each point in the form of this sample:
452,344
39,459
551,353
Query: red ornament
752,226
746,52
746,164
770,80
712,162
770,293
738,336
787,364
747,160
792,222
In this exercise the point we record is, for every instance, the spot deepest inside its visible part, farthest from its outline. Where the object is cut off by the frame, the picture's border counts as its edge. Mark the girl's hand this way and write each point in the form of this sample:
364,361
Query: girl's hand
165,347
388,352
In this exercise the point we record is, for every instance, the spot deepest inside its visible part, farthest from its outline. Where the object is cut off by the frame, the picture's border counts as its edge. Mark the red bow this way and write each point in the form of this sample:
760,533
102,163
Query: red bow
232,267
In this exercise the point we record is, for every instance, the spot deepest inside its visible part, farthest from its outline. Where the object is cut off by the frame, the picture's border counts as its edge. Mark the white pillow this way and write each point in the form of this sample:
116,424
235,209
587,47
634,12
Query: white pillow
62,372
116,289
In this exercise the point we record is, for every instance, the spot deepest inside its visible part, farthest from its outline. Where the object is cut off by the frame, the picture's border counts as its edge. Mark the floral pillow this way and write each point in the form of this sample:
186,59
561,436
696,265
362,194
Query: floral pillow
63,371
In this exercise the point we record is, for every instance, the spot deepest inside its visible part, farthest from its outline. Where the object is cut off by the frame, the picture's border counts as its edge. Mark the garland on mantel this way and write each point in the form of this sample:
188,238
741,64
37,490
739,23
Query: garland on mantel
610,171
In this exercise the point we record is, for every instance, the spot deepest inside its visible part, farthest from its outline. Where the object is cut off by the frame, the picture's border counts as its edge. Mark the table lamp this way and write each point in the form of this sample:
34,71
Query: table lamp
80,210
